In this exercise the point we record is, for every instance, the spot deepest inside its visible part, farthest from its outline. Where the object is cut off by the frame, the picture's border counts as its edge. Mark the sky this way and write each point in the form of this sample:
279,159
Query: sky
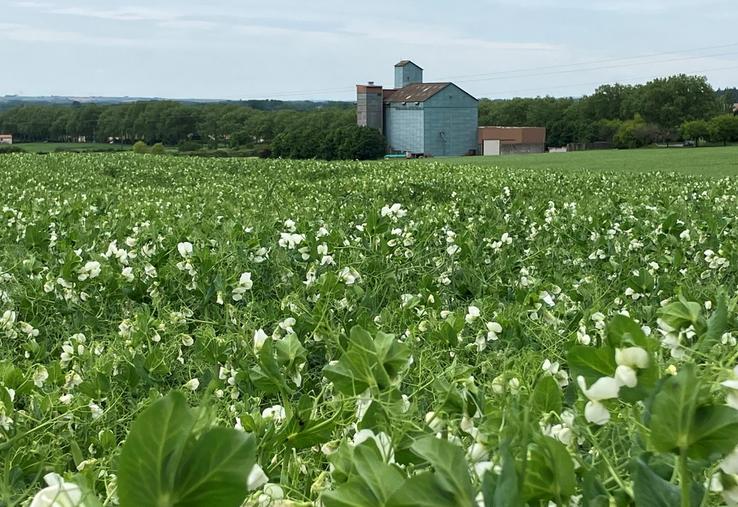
319,50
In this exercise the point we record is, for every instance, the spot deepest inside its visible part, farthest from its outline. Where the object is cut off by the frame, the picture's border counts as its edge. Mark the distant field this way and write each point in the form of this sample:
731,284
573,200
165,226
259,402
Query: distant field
51,147
703,161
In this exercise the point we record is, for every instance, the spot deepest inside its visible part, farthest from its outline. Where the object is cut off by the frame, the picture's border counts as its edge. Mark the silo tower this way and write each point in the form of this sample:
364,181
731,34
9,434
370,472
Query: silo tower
407,73
370,106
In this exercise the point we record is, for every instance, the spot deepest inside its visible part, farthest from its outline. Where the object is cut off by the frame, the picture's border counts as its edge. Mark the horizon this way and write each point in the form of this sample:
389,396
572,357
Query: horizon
124,98
285,51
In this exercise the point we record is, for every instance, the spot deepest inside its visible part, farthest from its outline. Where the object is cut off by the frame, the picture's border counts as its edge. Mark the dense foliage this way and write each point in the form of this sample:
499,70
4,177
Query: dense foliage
624,115
385,333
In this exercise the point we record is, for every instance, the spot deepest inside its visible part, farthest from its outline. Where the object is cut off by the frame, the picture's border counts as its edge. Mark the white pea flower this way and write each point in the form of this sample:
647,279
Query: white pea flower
349,276
604,388
244,284
40,376
97,412
626,376
260,337
90,270
127,273
493,331
192,384
732,385
547,298
472,314
477,453
275,412
596,413
257,477
635,357
290,240
58,493
185,249
435,421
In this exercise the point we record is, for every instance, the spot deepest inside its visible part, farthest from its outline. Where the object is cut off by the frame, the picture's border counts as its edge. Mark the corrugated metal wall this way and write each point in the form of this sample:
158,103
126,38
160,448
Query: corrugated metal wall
451,120
404,127
408,74
369,107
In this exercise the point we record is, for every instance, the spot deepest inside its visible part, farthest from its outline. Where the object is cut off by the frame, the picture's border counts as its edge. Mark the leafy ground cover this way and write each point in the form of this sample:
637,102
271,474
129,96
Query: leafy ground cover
365,333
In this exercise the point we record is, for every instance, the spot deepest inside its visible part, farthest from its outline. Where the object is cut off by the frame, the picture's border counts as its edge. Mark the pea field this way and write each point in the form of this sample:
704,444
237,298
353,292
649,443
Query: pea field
199,332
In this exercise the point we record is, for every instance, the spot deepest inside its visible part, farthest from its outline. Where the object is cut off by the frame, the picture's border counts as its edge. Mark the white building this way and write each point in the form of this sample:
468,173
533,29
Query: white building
6,139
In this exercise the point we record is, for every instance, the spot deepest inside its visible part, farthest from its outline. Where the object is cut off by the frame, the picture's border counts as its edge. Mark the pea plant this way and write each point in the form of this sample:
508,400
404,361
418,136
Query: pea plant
292,333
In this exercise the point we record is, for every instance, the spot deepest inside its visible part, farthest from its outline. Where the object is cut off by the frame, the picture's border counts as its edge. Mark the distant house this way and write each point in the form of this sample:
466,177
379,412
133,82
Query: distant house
419,118
735,109
6,139
509,140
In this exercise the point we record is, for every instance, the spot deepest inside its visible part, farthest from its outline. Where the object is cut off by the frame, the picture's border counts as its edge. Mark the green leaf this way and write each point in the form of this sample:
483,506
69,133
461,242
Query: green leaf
215,471
681,313
594,493
382,479
650,490
289,350
624,332
367,362
590,362
424,490
151,455
162,465
547,396
673,410
715,432
450,467
373,484
505,491
550,472
717,324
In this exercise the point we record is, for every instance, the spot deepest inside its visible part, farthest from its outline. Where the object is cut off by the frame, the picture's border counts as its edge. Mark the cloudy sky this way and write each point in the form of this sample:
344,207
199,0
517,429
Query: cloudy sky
234,49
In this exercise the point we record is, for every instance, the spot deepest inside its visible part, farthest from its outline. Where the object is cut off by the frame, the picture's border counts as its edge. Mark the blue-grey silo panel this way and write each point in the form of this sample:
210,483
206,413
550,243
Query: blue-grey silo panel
451,121
404,128
408,74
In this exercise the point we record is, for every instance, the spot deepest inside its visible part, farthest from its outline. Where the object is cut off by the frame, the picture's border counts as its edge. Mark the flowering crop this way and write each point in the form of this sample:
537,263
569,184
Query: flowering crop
364,334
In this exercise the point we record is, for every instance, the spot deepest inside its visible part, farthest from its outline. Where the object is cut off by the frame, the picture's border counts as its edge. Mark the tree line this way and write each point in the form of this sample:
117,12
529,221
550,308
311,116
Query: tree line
662,110
625,116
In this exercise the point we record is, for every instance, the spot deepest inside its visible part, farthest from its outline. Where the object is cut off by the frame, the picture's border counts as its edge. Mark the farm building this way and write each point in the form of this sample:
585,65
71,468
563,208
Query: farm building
6,139
509,140
432,119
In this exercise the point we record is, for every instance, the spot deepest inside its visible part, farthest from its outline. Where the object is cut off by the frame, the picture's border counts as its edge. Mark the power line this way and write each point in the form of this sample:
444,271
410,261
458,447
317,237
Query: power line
595,83
604,67
558,69
597,62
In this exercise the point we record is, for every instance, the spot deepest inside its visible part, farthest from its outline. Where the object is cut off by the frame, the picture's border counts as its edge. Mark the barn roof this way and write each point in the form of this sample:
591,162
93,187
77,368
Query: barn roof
418,92
402,63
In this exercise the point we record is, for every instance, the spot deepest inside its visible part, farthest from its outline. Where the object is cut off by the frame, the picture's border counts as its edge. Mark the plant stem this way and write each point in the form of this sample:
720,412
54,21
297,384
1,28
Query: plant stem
684,477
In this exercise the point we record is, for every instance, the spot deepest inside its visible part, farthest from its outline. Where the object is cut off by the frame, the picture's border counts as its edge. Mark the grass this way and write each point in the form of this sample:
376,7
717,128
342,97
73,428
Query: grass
82,147
715,162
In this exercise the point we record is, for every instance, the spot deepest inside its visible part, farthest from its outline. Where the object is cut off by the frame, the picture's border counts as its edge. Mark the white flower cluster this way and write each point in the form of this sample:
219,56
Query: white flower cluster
244,285
606,388
394,212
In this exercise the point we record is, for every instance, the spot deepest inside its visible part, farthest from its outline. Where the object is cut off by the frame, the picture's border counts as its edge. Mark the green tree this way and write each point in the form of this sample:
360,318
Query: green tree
140,147
671,101
158,149
724,129
695,130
